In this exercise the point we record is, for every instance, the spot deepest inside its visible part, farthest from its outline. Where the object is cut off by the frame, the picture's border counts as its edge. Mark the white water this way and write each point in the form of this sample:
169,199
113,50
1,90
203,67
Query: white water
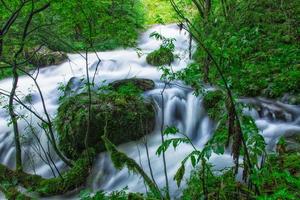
182,109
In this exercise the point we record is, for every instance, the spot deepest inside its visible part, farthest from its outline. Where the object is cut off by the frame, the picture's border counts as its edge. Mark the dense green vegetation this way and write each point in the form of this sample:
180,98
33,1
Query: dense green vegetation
66,26
160,57
159,11
257,45
276,181
244,48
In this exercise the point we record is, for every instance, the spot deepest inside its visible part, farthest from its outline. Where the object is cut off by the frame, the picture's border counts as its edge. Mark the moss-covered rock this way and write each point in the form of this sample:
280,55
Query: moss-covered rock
142,84
22,178
74,178
43,56
71,179
10,180
124,114
162,56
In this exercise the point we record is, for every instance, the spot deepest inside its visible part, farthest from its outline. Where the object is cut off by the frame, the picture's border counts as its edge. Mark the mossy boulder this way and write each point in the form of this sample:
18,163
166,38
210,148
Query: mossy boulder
142,84
122,113
162,56
42,56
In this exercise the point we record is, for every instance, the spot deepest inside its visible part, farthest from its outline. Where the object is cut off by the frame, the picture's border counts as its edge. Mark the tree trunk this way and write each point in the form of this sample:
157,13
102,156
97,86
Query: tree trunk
206,60
1,44
206,64
14,120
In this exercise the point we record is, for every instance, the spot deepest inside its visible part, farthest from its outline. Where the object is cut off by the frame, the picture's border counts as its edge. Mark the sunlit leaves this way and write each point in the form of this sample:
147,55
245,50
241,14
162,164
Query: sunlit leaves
167,143
167,43
171,130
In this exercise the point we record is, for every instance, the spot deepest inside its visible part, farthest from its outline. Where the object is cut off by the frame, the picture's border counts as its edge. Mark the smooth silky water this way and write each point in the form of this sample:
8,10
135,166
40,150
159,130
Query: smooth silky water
181,109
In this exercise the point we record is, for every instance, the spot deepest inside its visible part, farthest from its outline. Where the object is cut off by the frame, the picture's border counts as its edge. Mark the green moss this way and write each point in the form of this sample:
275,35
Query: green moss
26,180
9,180
133,85
124,112
162,56
71,179
12,193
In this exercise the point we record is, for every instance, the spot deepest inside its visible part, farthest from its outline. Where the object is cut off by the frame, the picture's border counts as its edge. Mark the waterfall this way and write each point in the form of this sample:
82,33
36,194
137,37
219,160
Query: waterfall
181,109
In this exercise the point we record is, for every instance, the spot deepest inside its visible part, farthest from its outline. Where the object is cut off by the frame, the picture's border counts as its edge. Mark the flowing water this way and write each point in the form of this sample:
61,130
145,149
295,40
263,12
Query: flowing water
181,109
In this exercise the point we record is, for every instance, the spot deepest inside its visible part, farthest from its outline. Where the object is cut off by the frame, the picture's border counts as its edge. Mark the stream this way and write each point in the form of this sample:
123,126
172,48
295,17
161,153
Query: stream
181,109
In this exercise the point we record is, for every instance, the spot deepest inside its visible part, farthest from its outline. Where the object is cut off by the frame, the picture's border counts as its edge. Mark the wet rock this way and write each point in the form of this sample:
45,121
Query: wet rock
31,98
41,57
291,99
142,84
293,143
295,100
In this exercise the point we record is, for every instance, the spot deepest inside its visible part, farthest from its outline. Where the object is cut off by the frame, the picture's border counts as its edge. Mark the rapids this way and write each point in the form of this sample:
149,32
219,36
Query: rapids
181,109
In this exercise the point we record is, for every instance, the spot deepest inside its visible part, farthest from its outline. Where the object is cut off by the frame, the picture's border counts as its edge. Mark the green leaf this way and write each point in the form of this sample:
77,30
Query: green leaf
179,174
171,130
193,160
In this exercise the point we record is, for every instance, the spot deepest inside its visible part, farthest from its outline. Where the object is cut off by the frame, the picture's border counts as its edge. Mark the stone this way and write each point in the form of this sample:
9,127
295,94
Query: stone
124,117
160,57
43,56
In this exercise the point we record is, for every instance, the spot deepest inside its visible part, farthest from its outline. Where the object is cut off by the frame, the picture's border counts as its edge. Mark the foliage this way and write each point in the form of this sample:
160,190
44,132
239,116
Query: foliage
279,179
165,54
69,25
217,144
256,47
159,12
277,176
114,24
115,195
162,56
71,179
254,40
10,180
223,186
259,48
214,103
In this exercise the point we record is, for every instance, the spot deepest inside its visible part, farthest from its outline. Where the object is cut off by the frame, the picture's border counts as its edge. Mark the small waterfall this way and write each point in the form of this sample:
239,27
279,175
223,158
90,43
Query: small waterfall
274,118
181,109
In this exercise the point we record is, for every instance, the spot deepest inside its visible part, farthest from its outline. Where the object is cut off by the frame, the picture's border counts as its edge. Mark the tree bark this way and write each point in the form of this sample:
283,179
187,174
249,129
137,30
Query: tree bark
14,119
